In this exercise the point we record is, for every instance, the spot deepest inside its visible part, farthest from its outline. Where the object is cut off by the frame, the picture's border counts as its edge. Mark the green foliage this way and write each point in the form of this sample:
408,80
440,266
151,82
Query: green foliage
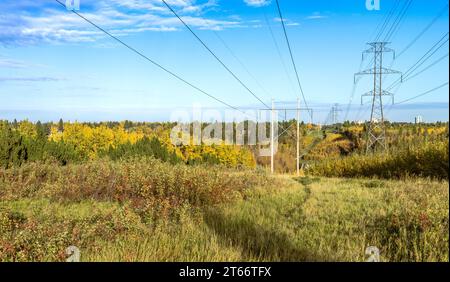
45,150
16,149
144,147
74,142
61,125
13,150
428,160
305,181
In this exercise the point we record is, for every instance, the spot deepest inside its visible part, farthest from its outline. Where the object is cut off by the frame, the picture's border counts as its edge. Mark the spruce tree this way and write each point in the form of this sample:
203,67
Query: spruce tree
61,125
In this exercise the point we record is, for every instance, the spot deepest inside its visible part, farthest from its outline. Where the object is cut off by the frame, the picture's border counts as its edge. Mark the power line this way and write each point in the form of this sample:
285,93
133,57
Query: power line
292,56
240,62
379,30
376,133
360,113
440,43
423,94
387,20
445,9
426,68
213,54
151,61
393,29
396,84
355,84
278,50
352,94
420,34
398,20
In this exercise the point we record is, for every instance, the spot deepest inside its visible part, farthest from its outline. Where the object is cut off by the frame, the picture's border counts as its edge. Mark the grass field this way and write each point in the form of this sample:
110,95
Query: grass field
281,219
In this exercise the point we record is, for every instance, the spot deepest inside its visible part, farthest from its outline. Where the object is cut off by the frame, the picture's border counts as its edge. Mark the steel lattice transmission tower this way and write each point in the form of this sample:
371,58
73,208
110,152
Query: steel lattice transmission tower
335,113
376,131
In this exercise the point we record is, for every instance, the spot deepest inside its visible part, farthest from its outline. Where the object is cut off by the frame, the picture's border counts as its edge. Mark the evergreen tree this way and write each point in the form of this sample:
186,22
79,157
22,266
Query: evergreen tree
61,125
13,151
127,125
40,130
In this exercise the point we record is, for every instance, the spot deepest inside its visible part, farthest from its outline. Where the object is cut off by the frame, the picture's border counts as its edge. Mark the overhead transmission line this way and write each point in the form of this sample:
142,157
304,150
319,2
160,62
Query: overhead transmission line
410,72
389,35
444,9
248,72
292,56
418,96
420,34
251,75
396,83
241,63
398,20
426,68
387,20
412,75
214,55
152,61
281,60
423,94
436,47
352,94
278,50
379,30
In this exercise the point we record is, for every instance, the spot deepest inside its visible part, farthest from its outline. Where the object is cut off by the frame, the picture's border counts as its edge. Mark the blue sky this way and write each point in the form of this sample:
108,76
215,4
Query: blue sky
53,64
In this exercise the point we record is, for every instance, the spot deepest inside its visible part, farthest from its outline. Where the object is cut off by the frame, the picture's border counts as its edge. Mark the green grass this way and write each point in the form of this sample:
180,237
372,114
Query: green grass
282,219
336,220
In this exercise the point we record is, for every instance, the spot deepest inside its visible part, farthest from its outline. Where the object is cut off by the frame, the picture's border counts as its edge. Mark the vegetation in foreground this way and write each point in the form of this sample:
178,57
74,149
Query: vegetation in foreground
147,210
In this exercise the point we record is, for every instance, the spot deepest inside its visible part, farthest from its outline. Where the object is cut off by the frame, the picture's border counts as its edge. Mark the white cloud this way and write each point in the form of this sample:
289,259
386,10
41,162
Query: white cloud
257,3
54,24
9,63
31,79
17,64
316,16
287,22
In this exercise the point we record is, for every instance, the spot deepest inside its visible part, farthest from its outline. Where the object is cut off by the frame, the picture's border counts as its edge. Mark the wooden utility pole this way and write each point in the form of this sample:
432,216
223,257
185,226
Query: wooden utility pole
272,137
274,112
298,137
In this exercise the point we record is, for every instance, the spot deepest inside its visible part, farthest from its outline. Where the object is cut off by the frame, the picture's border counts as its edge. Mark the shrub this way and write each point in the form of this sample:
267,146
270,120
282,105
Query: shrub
428,160
153,187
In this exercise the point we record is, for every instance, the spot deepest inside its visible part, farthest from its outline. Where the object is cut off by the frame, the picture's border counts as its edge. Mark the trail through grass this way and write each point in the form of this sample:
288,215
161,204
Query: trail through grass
302,219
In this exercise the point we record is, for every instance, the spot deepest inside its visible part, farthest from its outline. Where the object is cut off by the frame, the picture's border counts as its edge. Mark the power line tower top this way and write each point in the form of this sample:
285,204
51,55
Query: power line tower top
376,131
